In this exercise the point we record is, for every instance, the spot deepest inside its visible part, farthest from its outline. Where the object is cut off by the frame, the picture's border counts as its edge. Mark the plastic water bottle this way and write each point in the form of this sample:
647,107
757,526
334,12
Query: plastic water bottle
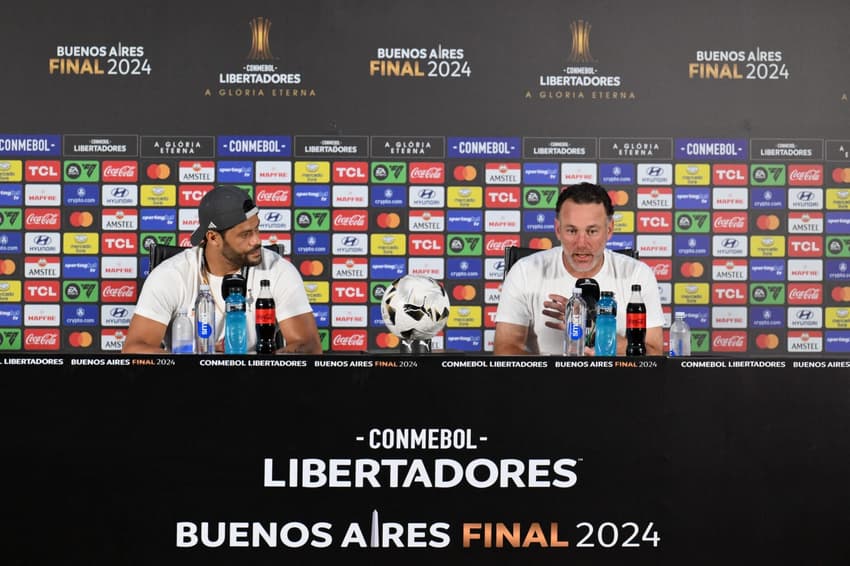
204,321
680,336
606,325
636,324
235,324
575,319
265,319
182,336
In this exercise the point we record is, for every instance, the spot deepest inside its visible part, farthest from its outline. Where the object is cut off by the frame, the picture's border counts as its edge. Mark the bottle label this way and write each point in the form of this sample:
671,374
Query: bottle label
204,329
264,316
575,331
636,320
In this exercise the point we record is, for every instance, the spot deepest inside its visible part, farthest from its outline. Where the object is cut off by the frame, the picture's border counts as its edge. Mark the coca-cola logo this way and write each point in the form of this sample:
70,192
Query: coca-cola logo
350,221
122,172
353,341
43,219
728,342
729,223
662,270
808,294
122,292
810,175
431,174
272,197
41,340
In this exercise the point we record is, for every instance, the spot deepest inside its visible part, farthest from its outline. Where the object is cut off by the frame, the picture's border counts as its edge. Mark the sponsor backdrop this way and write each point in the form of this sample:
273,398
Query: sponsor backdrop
381,139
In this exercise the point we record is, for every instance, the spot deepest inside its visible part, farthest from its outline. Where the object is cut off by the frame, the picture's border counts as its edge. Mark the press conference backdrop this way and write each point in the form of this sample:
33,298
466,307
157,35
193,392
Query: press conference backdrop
382,138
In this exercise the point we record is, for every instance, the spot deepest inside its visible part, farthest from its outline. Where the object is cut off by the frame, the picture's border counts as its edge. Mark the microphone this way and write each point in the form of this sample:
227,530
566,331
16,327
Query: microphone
590,293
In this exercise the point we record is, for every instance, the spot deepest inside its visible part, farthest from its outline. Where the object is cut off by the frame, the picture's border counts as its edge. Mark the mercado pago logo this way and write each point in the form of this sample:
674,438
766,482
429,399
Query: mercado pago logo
115,59
260,75
389,463
581,79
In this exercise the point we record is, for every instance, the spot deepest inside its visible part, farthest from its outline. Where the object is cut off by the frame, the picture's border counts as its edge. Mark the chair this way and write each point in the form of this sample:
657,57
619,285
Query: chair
161,252
513,253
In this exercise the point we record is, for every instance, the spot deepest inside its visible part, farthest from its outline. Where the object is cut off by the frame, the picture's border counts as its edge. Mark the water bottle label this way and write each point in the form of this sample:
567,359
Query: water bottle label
575,331
204,329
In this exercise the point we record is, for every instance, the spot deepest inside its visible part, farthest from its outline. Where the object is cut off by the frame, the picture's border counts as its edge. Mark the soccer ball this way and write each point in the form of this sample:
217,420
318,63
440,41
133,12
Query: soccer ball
415,307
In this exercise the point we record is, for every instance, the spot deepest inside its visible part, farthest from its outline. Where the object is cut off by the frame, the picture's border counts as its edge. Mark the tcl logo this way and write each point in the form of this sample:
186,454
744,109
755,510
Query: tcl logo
349,292
502,197
730,175
729,293
43,171
805,246
191,195
120,243
41,291
655,221
430,244
350,172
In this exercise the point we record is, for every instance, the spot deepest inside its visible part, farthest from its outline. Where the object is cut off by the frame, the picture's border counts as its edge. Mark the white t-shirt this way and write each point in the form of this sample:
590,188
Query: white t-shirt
532,278
175,281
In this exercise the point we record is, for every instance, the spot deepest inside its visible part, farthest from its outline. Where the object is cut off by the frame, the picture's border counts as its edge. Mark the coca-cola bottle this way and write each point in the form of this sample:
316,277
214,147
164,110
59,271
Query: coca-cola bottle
265,319
635,324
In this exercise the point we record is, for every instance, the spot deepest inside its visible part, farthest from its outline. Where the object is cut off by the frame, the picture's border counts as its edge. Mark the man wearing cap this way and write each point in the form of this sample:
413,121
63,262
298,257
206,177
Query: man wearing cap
227,241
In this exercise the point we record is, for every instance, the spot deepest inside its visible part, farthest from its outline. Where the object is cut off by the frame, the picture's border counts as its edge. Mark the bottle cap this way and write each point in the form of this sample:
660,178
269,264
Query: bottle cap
636,287
265,283
576,291
607,293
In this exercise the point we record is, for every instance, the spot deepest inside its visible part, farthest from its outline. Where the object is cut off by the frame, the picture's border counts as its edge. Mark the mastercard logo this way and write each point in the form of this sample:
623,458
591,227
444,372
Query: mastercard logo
463,292
7,267
311,268
388,220
692,269
840,294
80,339
81,219
620,198
540,243
387,340
464,173
767,341
841,175
158,171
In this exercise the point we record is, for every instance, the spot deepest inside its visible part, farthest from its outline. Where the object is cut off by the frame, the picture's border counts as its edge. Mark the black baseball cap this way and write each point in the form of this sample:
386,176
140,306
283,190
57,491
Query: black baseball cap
223,207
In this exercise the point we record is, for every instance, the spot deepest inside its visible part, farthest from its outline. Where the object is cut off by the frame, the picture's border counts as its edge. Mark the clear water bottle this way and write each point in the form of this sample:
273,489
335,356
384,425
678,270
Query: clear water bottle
606,325
182,336
204,321
235,324
680,336
575,319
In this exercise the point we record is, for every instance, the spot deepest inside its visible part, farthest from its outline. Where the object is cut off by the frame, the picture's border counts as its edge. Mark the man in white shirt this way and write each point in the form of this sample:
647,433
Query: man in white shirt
530,315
